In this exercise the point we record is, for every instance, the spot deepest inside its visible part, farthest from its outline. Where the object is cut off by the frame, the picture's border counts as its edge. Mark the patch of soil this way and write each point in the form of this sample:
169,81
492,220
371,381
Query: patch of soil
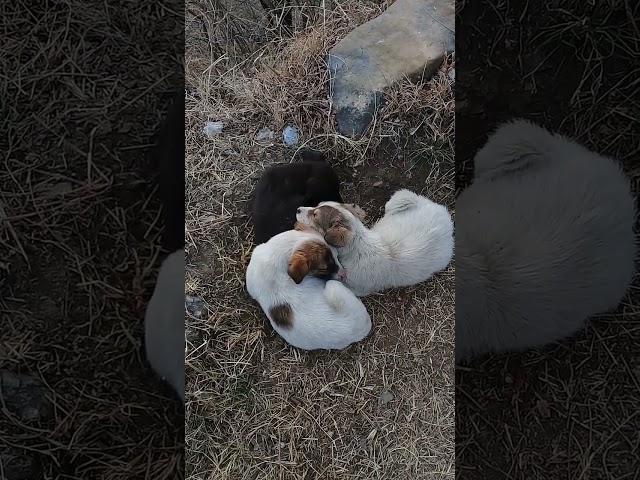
393,167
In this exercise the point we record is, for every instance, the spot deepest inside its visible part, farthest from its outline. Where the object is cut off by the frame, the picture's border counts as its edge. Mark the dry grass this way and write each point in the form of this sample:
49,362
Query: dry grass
257,408
81,86
569,410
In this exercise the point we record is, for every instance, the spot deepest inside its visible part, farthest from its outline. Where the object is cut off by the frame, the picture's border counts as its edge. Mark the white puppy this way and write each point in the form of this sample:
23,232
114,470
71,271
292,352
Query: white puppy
411,242
544,240
307,311
164,323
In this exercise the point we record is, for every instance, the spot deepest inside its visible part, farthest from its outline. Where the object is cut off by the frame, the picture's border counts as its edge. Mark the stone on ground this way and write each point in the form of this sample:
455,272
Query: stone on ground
24,396
410,39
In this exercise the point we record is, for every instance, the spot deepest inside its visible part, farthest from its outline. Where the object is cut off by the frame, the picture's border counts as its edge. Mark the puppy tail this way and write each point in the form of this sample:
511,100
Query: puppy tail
401,201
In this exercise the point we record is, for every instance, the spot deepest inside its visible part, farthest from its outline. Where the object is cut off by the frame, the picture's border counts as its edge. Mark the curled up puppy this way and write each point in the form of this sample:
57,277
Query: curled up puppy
544,241
411,242
292,278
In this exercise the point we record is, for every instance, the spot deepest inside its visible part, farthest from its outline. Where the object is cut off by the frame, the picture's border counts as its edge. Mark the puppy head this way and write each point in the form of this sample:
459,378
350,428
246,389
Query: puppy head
335,221
312,258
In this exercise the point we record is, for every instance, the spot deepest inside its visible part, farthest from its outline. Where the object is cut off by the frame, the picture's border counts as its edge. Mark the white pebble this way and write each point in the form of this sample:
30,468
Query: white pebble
290,136
211,129
264,134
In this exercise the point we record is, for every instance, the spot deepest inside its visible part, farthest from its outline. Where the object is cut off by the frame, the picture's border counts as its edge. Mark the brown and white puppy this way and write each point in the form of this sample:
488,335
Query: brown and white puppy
411,242
288,276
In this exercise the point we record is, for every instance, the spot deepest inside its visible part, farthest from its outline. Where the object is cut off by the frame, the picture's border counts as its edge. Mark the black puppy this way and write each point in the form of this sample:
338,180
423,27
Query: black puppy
169,159
285,187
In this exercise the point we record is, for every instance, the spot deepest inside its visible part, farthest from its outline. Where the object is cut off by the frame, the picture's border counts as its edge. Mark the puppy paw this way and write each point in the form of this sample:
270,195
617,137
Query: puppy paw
300,227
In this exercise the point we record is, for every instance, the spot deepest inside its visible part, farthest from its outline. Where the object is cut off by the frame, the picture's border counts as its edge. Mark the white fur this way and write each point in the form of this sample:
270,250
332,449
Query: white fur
325,315
544,241
164,323
411,242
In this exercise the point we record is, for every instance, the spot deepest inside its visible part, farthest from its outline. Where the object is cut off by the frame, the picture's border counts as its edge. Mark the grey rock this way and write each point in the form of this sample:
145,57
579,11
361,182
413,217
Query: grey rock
265,135
194,305
211,129
24,396
290,136
410,39
385,397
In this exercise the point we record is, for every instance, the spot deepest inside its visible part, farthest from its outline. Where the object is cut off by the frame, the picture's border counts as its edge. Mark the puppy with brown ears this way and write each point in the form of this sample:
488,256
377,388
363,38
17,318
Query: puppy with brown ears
292,277
411,242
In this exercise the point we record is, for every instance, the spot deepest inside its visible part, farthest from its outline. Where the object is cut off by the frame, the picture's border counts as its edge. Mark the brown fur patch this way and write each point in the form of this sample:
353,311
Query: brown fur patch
312,258
325,216
298,266
301,227
356,210
332,224
282,315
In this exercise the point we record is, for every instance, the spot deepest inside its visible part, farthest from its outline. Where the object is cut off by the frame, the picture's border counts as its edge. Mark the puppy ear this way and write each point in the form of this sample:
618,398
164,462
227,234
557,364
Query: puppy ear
337,235
298,266
356,210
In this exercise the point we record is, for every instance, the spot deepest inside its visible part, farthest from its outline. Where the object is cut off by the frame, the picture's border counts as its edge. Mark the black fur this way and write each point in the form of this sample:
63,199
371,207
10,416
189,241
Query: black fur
168,155
285,187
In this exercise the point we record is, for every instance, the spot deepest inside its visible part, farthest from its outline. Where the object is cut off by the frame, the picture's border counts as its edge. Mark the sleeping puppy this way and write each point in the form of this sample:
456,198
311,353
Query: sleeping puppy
288,276
284,187
411,242
544,240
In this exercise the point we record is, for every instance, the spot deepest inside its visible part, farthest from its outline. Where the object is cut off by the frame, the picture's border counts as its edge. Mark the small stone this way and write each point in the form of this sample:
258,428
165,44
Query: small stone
24,396
56,189
378,183
194,305
385,397
60,188
543,408
452,74
265,135
290,136
211,129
